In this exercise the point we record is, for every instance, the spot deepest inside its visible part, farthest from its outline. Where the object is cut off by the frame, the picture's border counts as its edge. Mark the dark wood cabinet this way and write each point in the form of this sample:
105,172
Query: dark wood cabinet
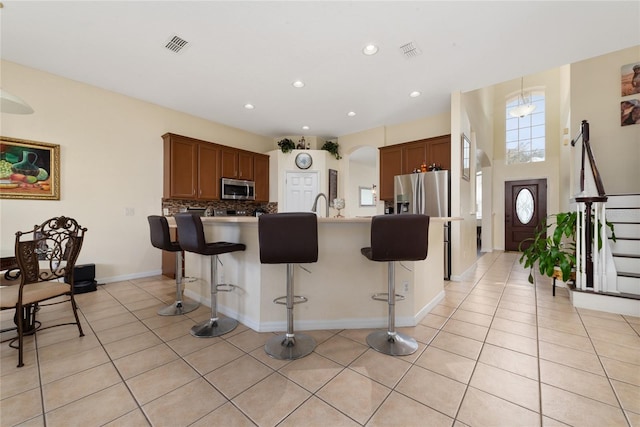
402,159
439,151
208,176
414,154
245,165
180,166
390,166
193,168
261,177
236,163
190,169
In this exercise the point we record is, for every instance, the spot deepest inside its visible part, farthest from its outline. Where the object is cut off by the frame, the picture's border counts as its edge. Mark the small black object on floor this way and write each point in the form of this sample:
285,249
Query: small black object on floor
84,278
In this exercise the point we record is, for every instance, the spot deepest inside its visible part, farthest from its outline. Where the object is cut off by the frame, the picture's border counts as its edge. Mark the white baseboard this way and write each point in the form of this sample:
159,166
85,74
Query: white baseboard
129,276
610,304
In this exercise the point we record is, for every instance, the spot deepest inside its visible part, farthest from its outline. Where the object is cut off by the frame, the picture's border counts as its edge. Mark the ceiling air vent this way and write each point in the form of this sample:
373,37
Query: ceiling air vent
410,50
176,44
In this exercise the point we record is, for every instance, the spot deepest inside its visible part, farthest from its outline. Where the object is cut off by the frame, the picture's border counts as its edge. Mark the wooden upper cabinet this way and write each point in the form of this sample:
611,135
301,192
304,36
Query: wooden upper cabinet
190,168
236,163
193,168
413,155
180,165
261,176
208,176
439,152
245,165
229,163
390,166
401,159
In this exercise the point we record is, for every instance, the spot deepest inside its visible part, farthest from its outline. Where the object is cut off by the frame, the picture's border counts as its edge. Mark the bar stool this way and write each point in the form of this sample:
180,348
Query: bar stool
161,239
289,238
395,238
191,238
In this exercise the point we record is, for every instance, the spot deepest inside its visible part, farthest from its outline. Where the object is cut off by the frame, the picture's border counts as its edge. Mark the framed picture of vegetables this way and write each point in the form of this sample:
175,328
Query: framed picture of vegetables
29,169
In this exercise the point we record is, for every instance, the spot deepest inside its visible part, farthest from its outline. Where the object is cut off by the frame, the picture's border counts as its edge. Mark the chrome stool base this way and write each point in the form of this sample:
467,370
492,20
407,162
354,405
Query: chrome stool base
214,328
178,308
396,344
289,348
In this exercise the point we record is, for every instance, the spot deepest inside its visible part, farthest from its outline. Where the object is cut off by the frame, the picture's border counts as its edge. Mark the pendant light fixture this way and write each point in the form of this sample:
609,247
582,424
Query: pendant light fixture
12,104
524,107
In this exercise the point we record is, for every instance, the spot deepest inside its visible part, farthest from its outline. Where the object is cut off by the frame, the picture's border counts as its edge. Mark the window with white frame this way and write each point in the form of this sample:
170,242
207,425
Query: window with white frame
525,135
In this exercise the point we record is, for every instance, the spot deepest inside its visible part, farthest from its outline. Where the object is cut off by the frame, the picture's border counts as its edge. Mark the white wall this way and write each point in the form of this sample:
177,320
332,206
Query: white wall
111,159
360,175
596,97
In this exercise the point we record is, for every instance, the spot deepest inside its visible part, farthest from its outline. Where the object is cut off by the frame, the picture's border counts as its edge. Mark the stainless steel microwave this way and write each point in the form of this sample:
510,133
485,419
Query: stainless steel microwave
238,189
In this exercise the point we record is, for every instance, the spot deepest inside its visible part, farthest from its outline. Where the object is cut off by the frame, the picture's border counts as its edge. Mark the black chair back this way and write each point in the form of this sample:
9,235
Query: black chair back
160,237
288,238
402,237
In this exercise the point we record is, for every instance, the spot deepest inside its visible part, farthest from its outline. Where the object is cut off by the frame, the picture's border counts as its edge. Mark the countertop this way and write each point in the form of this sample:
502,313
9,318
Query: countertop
253,219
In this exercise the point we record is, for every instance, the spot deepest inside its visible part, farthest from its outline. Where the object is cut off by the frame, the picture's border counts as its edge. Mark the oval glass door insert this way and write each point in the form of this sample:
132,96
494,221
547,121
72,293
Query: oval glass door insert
524,205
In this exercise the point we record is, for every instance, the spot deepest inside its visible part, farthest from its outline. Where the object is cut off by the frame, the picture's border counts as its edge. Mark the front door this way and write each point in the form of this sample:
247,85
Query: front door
524,211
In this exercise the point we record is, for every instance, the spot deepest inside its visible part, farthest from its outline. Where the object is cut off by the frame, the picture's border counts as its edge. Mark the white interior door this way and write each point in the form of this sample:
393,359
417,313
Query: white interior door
300,190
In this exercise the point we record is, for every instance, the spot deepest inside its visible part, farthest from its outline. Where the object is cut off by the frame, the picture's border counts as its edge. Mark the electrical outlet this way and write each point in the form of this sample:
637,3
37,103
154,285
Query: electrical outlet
405,286
222,277
129,211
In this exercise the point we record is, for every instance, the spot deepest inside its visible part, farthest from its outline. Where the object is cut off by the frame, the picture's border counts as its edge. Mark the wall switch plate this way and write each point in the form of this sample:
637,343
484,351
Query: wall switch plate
129,211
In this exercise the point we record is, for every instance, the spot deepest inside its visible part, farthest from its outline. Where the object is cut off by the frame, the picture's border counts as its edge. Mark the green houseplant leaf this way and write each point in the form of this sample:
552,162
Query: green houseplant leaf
557,250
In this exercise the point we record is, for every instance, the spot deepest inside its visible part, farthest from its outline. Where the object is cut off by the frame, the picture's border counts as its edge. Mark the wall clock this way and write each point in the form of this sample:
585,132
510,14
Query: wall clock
304,160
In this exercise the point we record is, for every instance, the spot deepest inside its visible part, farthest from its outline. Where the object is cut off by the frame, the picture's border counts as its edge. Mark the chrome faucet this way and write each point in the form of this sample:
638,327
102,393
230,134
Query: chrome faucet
314,208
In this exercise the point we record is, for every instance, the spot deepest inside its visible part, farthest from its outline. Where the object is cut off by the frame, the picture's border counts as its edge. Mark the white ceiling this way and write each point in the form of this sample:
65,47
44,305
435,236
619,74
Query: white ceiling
250,52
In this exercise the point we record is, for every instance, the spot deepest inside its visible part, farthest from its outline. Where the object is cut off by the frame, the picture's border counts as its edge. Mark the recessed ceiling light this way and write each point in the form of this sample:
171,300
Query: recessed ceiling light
298,84
249,106
415,94
370,49
305,127
351,113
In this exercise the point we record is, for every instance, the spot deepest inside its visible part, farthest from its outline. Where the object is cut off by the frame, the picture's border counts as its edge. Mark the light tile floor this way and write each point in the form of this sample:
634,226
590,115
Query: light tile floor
496,352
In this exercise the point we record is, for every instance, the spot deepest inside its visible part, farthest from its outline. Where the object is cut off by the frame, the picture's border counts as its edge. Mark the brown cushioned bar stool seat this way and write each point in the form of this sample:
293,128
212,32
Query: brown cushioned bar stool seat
396,238
289,238
161,239
191,238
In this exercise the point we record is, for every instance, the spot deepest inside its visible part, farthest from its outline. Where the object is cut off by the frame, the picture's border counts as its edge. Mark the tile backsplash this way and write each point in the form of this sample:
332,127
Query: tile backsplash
175,205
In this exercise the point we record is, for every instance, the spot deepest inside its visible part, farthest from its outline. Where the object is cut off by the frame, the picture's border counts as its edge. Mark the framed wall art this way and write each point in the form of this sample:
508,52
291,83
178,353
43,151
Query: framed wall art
630,79
333,185
466,153
29,169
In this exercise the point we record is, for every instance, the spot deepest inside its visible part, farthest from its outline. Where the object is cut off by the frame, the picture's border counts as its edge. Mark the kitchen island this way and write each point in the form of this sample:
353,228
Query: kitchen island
339,286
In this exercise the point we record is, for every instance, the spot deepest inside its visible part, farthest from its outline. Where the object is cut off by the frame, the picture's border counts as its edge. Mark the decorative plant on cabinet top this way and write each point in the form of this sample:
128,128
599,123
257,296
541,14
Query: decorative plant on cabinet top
286,145
332,147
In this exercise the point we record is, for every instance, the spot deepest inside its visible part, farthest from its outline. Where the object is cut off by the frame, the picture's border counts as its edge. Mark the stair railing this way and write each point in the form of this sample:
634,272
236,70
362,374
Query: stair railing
591,271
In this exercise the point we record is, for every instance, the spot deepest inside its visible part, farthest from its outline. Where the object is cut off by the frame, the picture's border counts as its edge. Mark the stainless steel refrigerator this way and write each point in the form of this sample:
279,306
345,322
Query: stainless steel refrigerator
426,193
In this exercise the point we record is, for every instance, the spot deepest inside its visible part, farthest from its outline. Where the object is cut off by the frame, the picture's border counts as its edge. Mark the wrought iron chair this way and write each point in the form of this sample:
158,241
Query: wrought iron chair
46,258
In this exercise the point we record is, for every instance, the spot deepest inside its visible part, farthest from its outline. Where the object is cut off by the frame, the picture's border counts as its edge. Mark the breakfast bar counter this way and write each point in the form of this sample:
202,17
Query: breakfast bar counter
339,286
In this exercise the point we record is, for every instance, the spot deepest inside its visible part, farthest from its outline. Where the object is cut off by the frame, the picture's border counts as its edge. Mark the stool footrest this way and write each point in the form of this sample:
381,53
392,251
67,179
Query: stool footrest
297,299
225,287
384,296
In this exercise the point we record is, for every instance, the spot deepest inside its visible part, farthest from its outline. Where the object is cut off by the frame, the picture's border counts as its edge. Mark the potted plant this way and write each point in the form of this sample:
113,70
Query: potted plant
286,145
332,147
558,250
